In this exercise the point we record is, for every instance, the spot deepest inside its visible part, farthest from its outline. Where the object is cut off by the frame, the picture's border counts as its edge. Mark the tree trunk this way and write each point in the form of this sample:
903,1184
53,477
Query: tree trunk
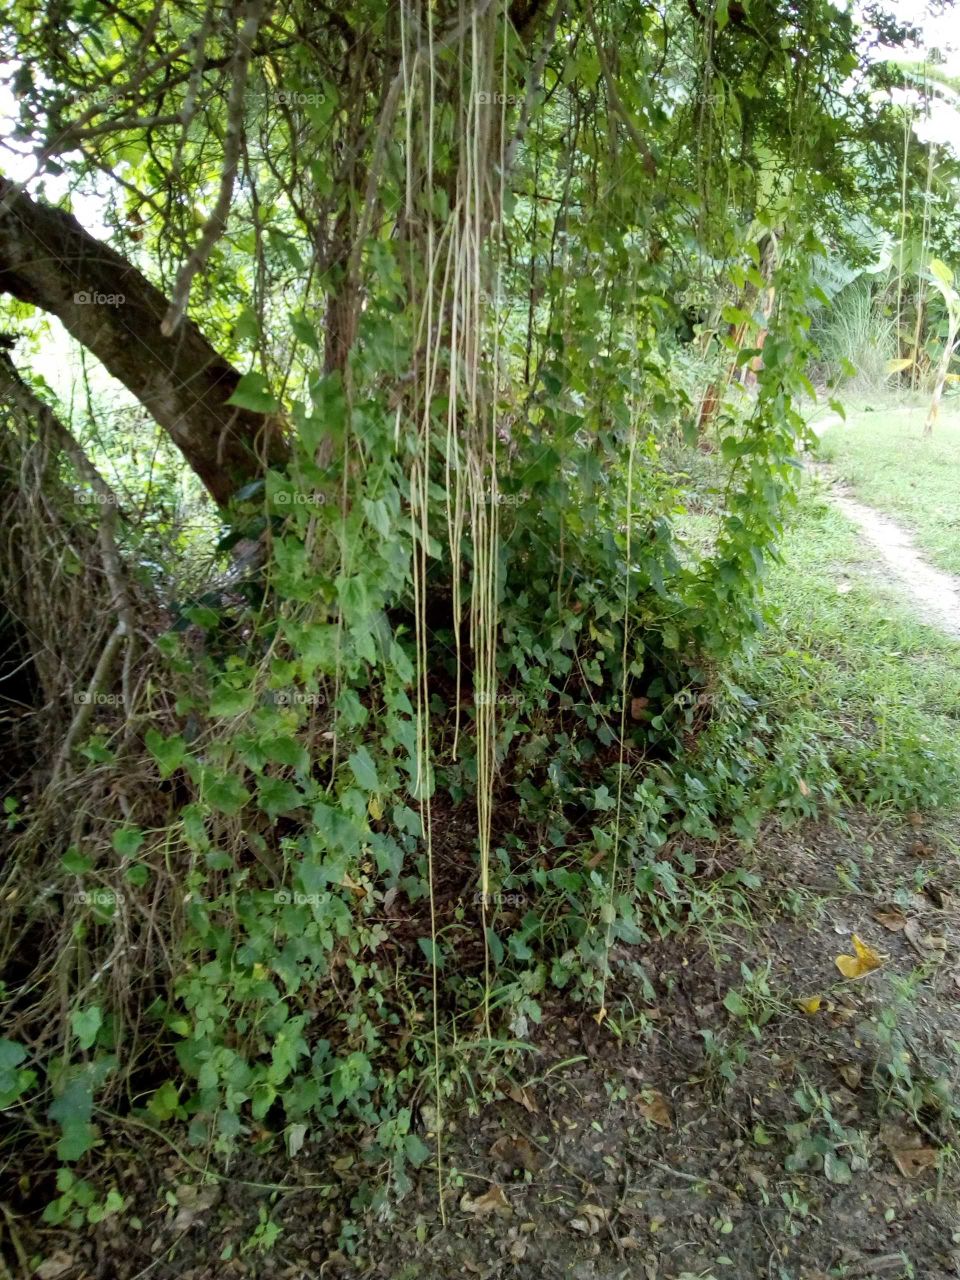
47,259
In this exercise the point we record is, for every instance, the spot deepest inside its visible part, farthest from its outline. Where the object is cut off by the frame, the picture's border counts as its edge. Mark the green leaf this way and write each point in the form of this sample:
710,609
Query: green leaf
941,271
128,841
284,749
75,862
836,1170
85,1023
227,701
431,951
304,330
226,793
73,1107
253,393
416,1150
165,1101
169,753
277,795
14,1080
734,1003
364,770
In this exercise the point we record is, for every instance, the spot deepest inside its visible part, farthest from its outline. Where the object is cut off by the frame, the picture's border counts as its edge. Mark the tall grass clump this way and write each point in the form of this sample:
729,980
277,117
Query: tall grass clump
855,333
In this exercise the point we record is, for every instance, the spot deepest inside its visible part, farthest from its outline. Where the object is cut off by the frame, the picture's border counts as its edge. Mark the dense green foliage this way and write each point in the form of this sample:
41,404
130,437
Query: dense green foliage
392,790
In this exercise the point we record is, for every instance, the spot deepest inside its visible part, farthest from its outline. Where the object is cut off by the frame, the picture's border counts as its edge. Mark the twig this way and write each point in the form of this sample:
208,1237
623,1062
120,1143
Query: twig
687,1177
217,222
82,718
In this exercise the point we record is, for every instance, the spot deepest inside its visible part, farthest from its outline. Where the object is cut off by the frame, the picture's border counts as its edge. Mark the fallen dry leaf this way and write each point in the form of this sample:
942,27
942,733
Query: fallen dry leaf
929,946
891,918
656,1108
811,1004
192,1201
524,1099
852,1074
517,1245
942,901
637,706
517,1152
58,1264
589,1219
863,961
907,1150
912,1161
492,1201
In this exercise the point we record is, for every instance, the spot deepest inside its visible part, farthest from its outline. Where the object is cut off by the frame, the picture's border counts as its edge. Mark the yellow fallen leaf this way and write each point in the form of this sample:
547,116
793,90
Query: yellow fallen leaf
865,960
811,1004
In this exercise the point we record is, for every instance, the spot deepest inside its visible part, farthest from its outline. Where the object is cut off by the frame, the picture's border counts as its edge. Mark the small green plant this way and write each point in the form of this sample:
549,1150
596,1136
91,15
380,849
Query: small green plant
820,1142
264,1235
79,1202
754,1004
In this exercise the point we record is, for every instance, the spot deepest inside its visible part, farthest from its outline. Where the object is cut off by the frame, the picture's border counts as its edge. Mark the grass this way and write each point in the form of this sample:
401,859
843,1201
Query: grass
885,459
850,662
847,700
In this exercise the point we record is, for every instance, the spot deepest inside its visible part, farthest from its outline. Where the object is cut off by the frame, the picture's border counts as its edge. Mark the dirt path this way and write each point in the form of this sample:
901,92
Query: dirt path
934,594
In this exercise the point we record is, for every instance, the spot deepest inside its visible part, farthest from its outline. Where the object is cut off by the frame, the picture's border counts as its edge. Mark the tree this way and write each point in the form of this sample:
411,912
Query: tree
441,243
49,261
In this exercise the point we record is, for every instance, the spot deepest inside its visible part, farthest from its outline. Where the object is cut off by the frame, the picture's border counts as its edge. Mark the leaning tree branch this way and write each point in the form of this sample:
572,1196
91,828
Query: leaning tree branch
616,102
47,259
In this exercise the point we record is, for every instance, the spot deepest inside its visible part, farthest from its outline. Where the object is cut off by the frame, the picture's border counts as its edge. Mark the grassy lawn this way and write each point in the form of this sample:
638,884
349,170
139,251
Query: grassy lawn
882,454
849,699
